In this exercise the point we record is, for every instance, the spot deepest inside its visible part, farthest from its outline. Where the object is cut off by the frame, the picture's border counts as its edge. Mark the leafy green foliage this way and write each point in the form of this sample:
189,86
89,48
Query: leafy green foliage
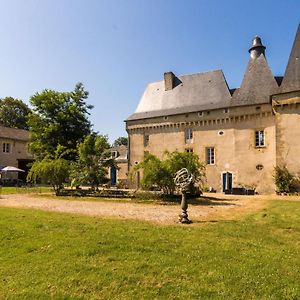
14,113
155,174
284,180
122,140
58,118
53,171
160,173
178,160
93,159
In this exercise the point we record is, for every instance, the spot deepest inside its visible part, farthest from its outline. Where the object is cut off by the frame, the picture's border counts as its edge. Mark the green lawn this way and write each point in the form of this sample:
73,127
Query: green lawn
24,190
59,256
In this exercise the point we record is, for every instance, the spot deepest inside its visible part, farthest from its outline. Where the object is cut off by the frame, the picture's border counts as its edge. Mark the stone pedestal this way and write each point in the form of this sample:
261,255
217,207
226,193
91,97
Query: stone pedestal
183,217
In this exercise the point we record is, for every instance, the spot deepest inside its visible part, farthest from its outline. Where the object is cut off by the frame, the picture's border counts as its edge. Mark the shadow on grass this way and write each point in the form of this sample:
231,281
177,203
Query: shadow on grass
151,199
213,221
201,201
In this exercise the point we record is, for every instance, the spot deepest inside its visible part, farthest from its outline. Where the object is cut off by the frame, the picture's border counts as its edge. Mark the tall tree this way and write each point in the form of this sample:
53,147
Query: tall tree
122,140
14,113
58,119
94,158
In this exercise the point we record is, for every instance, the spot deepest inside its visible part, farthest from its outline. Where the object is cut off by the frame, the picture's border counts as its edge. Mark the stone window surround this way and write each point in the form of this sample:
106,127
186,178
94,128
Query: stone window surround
6,147
189,150
260,138
188,136
210,155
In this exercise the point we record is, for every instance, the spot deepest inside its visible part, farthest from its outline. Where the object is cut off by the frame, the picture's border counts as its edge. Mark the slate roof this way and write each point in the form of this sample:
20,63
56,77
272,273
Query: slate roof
122,153
258,83
14,134
195,92
207,91
291,80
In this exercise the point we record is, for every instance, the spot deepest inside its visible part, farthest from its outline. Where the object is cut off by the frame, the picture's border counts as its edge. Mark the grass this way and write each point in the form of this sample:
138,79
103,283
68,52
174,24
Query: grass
24,190
59,256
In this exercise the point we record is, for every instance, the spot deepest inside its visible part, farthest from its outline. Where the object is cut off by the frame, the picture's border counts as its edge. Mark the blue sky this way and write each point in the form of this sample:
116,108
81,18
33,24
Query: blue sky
117,47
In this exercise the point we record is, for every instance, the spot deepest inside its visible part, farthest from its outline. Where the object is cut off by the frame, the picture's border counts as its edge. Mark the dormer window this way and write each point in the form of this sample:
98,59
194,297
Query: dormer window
114,154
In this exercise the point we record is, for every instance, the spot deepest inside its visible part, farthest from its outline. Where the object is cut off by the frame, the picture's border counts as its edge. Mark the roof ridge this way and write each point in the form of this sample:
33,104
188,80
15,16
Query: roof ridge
186,75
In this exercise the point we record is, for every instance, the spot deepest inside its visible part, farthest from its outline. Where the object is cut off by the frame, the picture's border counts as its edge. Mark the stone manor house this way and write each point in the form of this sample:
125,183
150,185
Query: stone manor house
14,152
241,134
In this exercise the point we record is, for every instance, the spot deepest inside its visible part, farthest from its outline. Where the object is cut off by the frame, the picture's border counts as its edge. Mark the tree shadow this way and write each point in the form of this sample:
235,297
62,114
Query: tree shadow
200,201
210,201
213,221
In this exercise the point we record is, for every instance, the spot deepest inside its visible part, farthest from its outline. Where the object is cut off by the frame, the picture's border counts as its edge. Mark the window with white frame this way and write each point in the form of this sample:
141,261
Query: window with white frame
259,138
6,147
210,155
114,154
189,150
188,136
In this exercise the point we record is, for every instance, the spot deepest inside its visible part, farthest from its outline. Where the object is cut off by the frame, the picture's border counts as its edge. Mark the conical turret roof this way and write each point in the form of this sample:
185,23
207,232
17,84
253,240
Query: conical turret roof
258,83
291,79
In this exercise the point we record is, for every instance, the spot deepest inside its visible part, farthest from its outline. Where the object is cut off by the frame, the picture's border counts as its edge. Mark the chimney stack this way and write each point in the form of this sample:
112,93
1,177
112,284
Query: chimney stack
169,80
257,47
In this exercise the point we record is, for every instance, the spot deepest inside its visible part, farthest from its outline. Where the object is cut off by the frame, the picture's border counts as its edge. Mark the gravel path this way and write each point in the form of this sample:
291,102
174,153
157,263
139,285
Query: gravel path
219,208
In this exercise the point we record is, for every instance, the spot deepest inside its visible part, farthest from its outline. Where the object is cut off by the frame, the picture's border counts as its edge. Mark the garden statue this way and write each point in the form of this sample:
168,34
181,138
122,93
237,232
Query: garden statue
182,180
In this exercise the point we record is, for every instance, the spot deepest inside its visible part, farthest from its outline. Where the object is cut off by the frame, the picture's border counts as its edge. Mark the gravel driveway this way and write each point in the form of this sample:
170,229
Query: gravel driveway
219,208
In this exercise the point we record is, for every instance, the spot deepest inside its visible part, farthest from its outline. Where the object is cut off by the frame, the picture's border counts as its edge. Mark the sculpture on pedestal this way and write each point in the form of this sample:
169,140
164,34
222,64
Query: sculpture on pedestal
182,180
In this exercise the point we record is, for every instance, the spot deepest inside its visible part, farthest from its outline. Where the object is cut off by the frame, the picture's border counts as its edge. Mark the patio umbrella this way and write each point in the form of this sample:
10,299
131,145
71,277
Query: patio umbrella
11,169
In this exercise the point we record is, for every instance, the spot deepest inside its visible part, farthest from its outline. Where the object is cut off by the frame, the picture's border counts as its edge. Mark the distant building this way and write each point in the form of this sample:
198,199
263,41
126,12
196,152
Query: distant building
14,150
241,134
119,175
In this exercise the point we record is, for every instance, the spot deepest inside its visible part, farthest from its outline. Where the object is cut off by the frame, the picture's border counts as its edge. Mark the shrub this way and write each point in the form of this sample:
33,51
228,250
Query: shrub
159,174
53,171
284,180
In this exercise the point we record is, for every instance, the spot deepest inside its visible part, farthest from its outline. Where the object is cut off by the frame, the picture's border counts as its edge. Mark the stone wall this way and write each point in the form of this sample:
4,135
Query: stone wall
231,133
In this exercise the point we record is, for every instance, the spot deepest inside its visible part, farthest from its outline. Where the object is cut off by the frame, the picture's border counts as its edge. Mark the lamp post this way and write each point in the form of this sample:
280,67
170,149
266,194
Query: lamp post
182,180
